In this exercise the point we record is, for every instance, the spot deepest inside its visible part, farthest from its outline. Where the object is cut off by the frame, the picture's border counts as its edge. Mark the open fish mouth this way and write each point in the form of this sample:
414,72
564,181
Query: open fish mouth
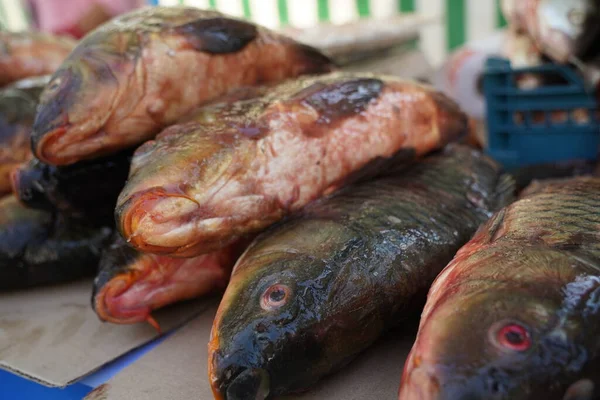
154,282
108,306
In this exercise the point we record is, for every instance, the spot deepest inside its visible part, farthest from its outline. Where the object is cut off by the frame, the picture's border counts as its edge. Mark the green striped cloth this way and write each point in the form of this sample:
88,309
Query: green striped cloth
14,15
460,20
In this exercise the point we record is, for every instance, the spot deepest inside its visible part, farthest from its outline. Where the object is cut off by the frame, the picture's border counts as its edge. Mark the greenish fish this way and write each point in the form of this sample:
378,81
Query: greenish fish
312,293
516,314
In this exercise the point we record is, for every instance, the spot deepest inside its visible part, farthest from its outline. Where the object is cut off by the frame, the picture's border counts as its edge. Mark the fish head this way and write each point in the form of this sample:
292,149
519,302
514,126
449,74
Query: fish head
182,192
268,333
499,341
81,96
257,332
560,24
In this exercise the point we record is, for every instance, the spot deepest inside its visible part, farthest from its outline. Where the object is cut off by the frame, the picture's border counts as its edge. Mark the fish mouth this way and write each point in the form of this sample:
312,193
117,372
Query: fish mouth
64,146
130,297
236,382
44,145
173,224
107,302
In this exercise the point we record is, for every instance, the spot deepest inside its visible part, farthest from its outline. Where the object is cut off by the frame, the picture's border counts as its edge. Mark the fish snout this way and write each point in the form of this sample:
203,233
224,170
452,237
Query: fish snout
157,221
421,384
231,381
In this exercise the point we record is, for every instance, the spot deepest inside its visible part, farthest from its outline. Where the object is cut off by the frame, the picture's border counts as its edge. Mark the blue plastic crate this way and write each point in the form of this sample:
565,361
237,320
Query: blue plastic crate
523,125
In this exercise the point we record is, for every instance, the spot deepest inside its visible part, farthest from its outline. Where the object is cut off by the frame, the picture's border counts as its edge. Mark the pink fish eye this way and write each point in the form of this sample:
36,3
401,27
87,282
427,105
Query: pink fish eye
275,297
514,337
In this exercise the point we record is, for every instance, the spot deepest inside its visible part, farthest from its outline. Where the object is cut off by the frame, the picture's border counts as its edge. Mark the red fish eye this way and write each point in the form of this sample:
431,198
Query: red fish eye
514,336
275,297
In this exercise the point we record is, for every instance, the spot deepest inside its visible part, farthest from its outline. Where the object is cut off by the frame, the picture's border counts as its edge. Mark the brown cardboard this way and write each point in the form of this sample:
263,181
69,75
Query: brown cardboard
177,370
51,335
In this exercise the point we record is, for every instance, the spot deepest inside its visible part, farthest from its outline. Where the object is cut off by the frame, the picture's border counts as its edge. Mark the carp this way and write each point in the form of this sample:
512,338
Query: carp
516,314
39,247
241,166
30,54
18,104
143,70
312,293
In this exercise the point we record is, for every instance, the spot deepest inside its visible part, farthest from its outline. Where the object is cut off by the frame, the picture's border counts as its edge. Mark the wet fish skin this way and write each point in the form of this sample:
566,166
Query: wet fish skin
41,248
87,189
530,278
29,54
310,294
18,103
201,185
130,285
145,69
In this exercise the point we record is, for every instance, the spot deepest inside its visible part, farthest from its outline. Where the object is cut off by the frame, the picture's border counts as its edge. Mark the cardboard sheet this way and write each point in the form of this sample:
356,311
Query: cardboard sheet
177,370
51,335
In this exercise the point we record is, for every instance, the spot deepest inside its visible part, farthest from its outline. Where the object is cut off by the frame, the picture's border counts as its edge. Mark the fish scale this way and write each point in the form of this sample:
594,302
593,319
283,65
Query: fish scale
380,243
545,211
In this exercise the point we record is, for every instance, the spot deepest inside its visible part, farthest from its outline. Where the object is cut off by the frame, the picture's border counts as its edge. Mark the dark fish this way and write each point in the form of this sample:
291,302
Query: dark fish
87,189
525,175
29,54
40,248
312,293
130,284
516,314
18,103
144,70
203,184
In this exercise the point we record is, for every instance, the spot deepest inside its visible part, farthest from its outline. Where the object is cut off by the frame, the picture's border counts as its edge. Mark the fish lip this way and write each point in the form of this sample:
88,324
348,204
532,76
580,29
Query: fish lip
108,311
134,209
43,146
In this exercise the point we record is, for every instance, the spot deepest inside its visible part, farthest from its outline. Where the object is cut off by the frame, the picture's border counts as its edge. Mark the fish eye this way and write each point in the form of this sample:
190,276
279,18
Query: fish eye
576,17
512,336
275,297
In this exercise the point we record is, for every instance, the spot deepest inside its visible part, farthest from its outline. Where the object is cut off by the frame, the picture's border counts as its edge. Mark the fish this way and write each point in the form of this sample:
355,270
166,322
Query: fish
203,184
31,54
515,314
87,189
18,103
38,247
558,27
310,294
130,285
142,71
